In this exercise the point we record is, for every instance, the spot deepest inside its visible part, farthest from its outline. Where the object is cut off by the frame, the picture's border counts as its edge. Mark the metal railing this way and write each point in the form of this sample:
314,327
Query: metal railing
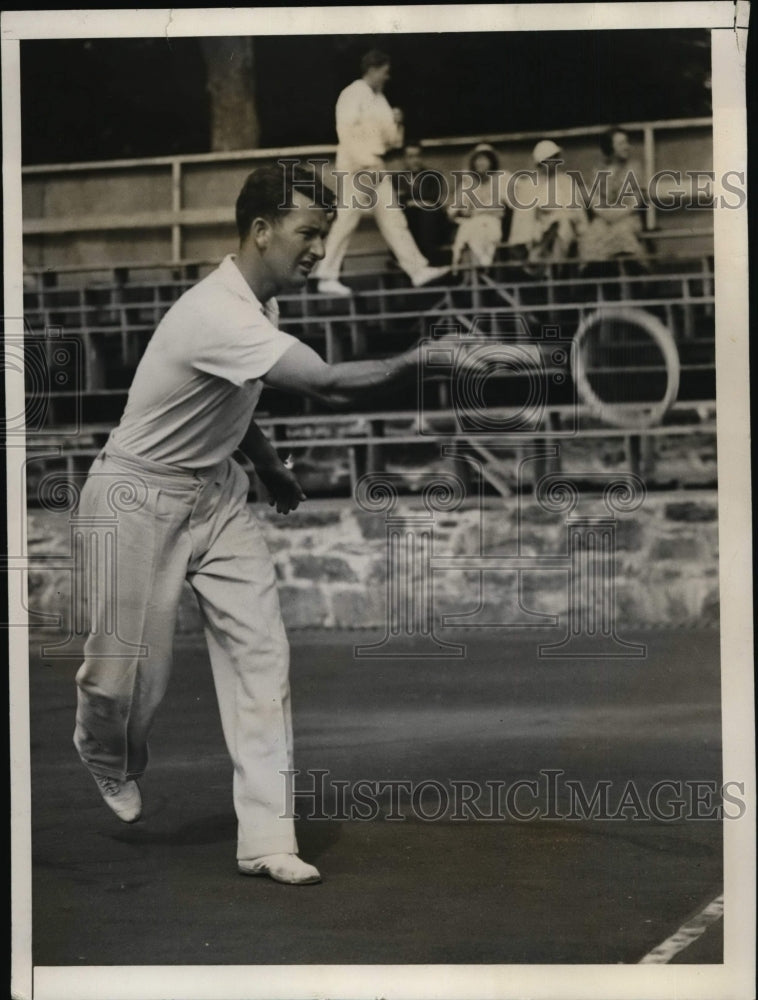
113,320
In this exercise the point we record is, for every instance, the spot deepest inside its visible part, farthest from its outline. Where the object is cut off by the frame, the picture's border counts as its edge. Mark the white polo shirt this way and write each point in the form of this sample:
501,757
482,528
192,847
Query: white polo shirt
196,387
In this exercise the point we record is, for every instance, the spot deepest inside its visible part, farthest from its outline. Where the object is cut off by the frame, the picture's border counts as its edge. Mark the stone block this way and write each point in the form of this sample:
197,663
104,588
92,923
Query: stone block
358,608
372,526
313,518
691,511
48,532
532,513
322,567
303,607
377,573
467,588
684,601
663,573
633,608
684,547
540,543
538,581
466,541
298,519
550,599
495,603
499,537
48,592
630,536
710,613
276,541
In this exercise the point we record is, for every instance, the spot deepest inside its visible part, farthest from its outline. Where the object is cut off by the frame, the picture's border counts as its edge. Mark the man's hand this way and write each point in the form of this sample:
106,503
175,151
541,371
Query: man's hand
284,491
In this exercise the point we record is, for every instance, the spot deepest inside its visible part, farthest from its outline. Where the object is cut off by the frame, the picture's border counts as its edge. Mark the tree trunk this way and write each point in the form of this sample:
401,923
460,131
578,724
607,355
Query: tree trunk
231,85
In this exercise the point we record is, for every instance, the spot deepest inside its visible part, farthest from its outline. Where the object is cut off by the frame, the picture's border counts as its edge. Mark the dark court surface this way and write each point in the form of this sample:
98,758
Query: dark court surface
551,889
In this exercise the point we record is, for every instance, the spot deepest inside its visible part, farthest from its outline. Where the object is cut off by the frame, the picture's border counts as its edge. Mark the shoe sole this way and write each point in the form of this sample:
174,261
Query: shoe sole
282,881
123,819
118,816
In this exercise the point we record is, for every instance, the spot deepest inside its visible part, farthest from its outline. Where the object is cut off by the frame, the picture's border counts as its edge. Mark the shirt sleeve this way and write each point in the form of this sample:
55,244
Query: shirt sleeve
242,348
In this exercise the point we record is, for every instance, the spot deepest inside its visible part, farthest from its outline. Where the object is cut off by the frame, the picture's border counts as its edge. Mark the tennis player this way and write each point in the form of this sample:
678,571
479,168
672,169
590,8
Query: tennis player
190,408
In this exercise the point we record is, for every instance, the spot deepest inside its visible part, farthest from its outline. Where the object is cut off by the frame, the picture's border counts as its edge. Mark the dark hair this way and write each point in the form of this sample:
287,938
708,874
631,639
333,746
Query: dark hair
491,158
605,141
373,59
267,193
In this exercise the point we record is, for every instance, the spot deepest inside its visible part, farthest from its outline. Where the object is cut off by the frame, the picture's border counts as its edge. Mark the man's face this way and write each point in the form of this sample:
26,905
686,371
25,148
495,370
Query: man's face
378,77
296,243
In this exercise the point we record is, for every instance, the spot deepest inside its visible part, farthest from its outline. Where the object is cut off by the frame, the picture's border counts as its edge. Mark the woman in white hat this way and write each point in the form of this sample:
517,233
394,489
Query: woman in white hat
546,219
479,208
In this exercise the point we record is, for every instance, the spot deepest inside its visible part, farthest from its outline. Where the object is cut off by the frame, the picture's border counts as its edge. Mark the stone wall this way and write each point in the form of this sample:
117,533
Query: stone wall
332,563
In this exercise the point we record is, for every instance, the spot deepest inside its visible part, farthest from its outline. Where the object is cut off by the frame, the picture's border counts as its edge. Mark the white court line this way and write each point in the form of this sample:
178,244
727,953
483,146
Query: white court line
686,934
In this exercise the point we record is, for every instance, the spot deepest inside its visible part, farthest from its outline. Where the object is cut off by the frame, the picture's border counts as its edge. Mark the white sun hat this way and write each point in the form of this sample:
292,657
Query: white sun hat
545,149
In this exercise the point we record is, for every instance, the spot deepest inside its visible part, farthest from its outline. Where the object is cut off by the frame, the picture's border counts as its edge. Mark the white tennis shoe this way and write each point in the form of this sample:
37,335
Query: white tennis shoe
330,286
122,797
428,274
287,868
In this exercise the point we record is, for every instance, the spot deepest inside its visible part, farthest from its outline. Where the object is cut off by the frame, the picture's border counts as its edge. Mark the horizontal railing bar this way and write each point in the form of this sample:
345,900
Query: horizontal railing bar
506,309
265,420
505,438
167,264
231,156
431,314
503,283
156,219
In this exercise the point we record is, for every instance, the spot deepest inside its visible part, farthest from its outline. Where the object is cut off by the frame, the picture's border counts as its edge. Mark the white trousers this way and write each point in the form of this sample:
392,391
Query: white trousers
391,222
481,234
171,526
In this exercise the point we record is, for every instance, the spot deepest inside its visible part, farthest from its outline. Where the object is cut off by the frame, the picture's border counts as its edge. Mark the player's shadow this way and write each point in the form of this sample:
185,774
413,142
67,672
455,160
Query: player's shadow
314,836
206,830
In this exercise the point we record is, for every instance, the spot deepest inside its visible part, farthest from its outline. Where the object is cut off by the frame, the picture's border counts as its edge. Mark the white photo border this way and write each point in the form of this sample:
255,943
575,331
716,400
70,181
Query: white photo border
736,976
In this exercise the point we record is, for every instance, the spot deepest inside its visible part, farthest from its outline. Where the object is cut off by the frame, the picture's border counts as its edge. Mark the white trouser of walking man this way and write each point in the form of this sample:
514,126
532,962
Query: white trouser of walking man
361,192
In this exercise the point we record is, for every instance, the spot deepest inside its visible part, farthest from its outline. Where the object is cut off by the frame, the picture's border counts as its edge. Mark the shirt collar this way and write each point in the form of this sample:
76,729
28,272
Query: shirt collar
231,276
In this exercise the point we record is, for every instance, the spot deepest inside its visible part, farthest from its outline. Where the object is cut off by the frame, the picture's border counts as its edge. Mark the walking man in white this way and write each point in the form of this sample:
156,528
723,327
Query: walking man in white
190,408
367,127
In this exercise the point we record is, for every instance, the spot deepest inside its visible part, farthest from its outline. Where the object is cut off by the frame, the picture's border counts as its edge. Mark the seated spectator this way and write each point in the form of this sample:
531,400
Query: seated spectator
547,221
422,193
479,209
616,219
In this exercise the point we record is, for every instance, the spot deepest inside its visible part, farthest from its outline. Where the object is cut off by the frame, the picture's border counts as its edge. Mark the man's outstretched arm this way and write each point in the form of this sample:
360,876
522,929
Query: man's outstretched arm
301,370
